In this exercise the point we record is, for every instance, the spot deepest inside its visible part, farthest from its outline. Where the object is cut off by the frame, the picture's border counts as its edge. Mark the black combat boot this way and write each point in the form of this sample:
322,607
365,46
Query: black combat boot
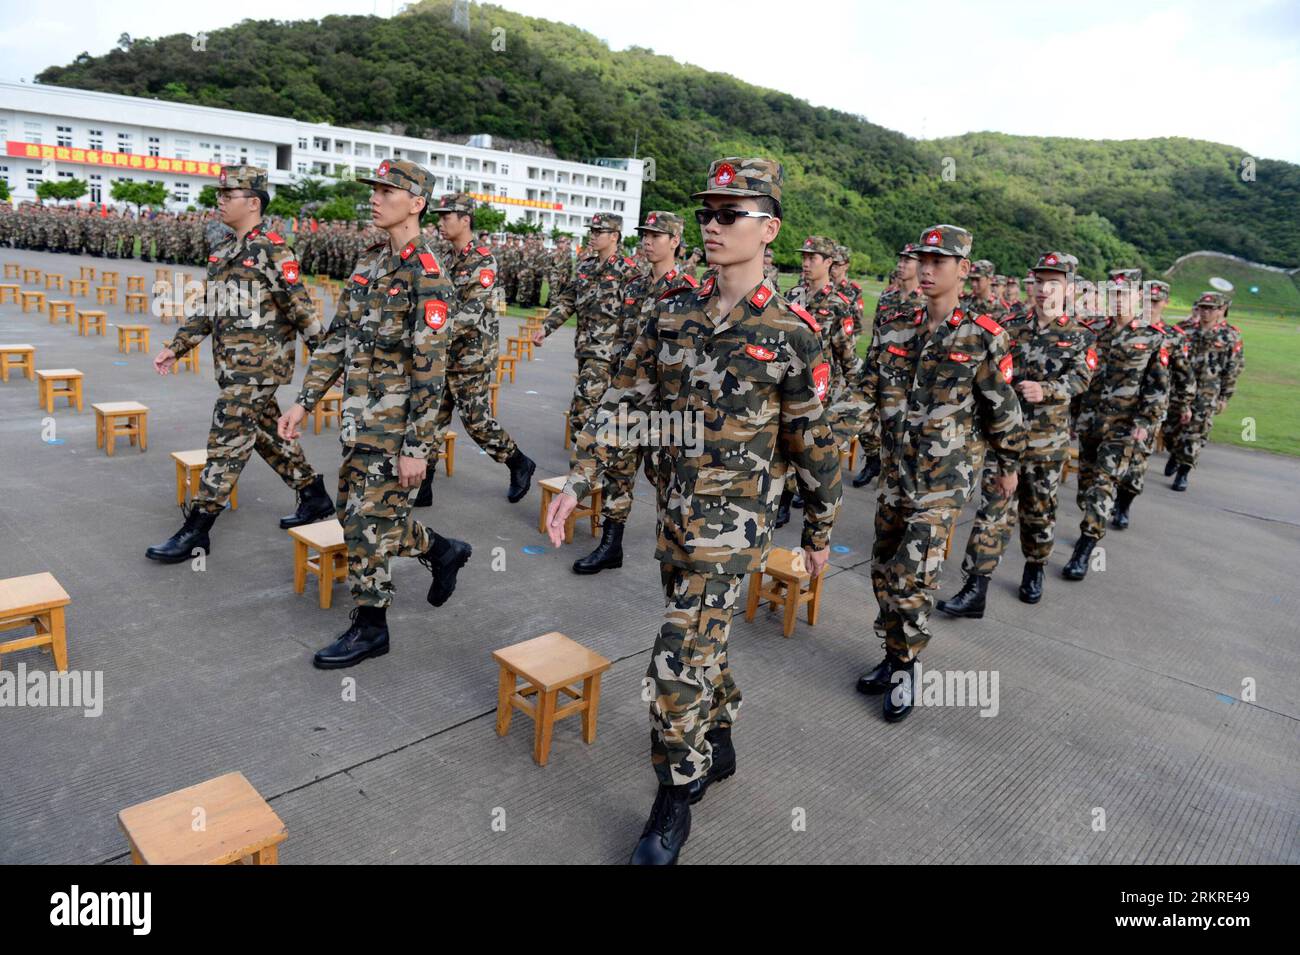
722,767
1171,466
1123,500
180,546
902,691
1180,479
314,505
521,475
608,553
367,637
797,501
875,680
1031,583
783,509
1077,567
667,829
443,559
969,601
870,468
424,496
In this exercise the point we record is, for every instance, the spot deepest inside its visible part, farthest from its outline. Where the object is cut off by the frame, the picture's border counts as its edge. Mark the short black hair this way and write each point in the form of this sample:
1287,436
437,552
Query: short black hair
769,205
263,197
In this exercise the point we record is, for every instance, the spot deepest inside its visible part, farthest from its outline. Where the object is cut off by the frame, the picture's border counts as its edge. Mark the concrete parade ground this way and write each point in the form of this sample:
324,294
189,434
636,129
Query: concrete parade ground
1146,715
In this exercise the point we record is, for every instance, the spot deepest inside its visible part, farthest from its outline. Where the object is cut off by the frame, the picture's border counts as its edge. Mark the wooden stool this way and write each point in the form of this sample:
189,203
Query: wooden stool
53,280
549,665
106,295
553,486
189,360
135,302
189,469
238,826
129,336
493,390
167,312
107,414
448,452
22,357
135,283
10,293
107,278
788,589
54,383
91,319
568,430
329,408
306,353
539,313
61,309
330,562
504,363
37,601
31,276
321,279
78,288
849,454
12,269
162,275
87,273
519,346
1160,440
33,299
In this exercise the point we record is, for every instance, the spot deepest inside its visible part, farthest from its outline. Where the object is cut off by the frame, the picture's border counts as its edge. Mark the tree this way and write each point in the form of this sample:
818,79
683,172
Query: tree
557,233
338,209
280,206
62,189
139,193
208,197
488,219
4,191
520,227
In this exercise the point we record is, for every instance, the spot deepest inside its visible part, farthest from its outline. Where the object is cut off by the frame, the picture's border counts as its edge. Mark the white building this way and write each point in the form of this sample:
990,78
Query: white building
51,132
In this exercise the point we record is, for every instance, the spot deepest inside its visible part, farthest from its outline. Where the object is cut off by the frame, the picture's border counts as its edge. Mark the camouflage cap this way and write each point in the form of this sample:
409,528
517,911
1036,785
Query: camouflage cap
1054,262
945,240
455,202
981,267
735,176
842,254
1126,276
1159,291
908,249
242,177
402,174
1212,300
819,245
605,222
1000,279
669,223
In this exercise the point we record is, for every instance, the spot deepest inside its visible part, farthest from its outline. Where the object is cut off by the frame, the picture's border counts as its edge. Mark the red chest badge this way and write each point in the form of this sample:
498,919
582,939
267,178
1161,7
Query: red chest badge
759,352
486,277
1006,367
435,314
822,380
249,263
1091,359
848,326
960,356
896,350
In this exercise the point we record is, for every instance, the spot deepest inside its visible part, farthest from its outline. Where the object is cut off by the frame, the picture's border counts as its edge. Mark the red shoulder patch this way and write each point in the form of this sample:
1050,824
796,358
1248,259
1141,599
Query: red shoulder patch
483,250
360,279
845,298
275,238
760,296
691,280
707,288
803,313
848,325
1164,355
986,323
213,258
629,262
429,263
1006,366
821,376
856,286
1091,359
290,272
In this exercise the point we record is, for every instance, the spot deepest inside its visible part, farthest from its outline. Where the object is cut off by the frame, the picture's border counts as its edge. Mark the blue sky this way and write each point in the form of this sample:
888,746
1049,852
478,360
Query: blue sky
1229,73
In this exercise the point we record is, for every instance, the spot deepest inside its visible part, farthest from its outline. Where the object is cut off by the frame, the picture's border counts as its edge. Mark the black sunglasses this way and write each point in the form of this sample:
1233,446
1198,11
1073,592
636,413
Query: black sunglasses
727,216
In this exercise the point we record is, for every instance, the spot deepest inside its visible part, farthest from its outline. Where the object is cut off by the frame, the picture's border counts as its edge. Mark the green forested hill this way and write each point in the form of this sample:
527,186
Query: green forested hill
1143,202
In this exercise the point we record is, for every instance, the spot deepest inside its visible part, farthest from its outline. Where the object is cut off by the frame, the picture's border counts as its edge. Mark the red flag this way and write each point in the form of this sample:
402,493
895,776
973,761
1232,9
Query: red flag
313,225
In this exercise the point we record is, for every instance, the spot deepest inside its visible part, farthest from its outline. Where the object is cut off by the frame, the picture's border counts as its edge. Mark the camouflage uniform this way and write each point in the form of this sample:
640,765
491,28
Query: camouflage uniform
1129,390
559,272
471,352
1060,356
596,297
388,342
253,352
1215,361
755,374
936,393
510,259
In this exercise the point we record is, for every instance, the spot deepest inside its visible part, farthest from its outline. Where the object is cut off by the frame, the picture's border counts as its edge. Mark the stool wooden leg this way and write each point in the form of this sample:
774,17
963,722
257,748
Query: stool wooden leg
234,496
99,430
451,456
505,709
143,420
590,693
815,604
545,723
325,576
136,859
76,386
791,608
181,480
299,566
751,603
110,434
268,856
546,506
59,639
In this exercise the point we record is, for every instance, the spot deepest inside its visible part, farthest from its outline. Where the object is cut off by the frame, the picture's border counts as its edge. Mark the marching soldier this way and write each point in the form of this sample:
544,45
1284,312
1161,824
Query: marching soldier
1052,361
471,354
260,309
735,355
661,235
389,342
596,298
941,379
1126,398
559,269
1216,360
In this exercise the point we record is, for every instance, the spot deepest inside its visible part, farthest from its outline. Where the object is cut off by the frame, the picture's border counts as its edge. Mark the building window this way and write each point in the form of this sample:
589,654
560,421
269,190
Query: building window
505,170
302,142
532,174
65,135
34,178
96,187
562,178
32,132
154,142
618,205
95,137
620,185
66,175
124,142
181,192
302,168
320,145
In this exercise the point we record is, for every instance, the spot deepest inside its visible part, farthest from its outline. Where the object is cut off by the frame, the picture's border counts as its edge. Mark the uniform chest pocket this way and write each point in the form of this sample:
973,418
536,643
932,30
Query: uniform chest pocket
956,368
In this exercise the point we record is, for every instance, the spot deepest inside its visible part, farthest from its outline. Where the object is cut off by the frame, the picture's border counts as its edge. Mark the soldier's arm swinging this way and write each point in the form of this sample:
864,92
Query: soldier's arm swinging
1153,394
291,298
434,309
999,412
